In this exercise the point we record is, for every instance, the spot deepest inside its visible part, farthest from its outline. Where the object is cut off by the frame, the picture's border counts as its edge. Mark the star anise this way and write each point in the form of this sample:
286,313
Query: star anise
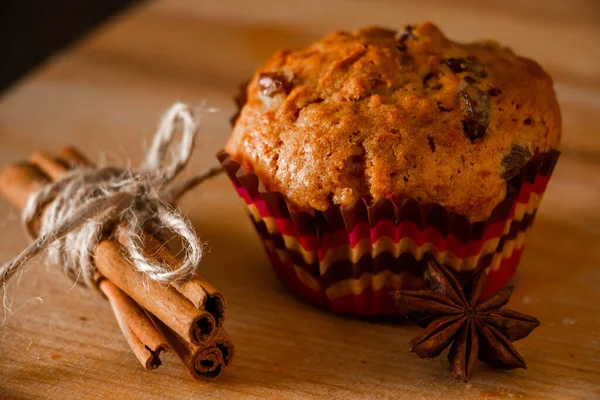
476,328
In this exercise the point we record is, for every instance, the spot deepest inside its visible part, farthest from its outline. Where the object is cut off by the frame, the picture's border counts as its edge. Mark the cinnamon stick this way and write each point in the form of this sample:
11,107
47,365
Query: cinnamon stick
144,339
73,158
205,296
197,290
30,179
19,181
203,362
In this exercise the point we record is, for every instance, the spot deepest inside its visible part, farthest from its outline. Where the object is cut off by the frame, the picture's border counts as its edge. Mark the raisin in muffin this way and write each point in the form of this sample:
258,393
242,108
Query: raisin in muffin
366,152
381,114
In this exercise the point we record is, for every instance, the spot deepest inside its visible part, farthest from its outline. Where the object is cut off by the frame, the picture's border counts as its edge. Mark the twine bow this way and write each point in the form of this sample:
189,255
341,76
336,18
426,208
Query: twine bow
86,203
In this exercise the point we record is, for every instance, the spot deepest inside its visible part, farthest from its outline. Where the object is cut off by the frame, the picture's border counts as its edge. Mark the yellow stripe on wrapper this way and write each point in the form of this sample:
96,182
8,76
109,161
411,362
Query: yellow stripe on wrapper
369,281
405,245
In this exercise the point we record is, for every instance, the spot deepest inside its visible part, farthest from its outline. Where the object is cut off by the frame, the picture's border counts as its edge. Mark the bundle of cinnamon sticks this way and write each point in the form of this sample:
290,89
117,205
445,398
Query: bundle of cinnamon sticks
186,317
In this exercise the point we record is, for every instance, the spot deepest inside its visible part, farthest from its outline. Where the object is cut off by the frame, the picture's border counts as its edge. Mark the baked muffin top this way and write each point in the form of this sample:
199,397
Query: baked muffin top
385,114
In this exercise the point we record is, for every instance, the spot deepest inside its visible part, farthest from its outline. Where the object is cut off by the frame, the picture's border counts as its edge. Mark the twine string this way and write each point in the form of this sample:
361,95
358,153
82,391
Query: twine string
85,204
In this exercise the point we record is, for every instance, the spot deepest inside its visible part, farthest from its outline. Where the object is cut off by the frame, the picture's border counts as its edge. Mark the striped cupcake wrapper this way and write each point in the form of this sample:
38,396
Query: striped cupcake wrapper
348,259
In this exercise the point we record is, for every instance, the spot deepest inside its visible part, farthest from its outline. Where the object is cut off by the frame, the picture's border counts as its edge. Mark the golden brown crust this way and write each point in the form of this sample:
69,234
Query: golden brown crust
380,114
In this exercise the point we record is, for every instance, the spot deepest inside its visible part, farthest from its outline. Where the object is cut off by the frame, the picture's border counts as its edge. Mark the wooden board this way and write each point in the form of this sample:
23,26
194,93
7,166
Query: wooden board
106,94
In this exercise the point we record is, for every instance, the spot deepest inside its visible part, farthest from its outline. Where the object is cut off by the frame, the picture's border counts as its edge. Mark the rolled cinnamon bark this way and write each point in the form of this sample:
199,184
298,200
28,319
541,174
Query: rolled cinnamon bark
53,167
143,337
204,296
197,290
163,301
203,362
19,181
73,158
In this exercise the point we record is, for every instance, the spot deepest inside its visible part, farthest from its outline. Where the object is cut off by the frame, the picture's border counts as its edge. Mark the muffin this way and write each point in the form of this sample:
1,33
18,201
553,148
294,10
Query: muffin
366,152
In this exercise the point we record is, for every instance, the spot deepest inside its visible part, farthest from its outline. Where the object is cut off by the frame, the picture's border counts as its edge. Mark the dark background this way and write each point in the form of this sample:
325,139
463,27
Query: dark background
31,30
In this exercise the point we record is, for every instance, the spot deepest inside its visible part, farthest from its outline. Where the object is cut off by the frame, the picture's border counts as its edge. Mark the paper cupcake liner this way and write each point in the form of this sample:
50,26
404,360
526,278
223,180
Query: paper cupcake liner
348,259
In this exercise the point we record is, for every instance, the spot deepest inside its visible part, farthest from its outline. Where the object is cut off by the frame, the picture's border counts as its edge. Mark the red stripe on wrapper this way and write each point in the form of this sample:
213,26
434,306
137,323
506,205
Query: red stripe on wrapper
498,278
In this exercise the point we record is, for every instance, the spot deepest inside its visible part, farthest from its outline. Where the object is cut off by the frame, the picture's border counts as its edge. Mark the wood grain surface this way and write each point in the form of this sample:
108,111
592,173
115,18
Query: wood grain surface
105,96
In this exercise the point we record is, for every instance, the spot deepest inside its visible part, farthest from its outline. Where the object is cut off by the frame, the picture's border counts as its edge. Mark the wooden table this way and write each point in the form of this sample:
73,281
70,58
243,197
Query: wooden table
105,96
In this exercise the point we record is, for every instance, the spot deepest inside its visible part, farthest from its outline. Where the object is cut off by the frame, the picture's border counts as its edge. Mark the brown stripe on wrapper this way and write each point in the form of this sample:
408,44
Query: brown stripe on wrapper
355,213
279,243
381,210
346,269
305,226
275,201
